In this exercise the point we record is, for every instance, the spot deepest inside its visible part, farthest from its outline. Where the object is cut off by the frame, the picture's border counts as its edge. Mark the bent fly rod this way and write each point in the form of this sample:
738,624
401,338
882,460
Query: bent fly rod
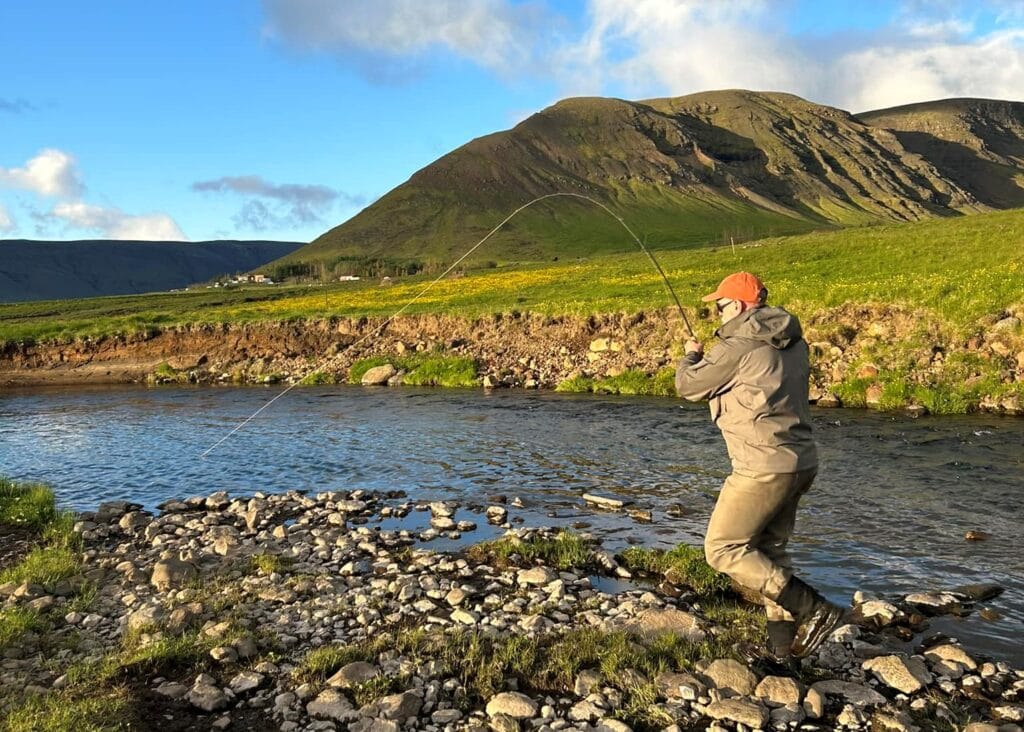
448,271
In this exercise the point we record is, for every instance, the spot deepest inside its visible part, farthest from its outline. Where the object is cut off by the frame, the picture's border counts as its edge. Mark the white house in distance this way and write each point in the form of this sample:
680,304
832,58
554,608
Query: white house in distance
348,278
258,279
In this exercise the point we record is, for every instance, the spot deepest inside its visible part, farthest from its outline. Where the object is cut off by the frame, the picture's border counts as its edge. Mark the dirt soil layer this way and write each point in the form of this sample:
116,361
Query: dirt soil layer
515,350
15,543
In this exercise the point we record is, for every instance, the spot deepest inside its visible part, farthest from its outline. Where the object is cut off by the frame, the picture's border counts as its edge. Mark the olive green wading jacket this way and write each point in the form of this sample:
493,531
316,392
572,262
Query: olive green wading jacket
756,380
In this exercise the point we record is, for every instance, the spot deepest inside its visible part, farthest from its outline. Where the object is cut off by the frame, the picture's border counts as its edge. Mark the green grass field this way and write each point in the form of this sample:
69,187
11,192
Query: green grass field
955,271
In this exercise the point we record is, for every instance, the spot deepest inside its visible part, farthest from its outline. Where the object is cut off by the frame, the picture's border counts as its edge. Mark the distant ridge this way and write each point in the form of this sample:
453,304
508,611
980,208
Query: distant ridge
978,144
688,171
54,270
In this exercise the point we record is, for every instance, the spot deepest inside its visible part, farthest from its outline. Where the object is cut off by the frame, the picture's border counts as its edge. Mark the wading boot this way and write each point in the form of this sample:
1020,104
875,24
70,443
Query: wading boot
815,616
781,634
777,658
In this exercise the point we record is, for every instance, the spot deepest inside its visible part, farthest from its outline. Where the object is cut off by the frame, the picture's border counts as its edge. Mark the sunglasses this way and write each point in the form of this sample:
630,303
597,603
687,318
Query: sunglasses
721,305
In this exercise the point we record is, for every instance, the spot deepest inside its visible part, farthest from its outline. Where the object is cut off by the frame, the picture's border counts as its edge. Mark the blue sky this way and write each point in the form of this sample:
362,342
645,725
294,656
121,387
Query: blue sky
279,119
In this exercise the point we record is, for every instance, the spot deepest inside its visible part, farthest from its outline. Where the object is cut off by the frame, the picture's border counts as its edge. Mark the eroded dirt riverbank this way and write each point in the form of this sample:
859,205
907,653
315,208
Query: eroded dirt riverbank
861,356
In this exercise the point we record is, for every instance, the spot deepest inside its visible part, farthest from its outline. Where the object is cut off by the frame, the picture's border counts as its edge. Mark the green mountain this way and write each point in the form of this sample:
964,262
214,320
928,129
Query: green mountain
688,171
58,270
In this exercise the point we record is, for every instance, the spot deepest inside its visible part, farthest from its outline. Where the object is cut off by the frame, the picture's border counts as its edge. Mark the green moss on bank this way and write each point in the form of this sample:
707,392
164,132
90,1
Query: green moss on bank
565,550
164,373
632,382
443,371
317,378
56,557
422,369
682,565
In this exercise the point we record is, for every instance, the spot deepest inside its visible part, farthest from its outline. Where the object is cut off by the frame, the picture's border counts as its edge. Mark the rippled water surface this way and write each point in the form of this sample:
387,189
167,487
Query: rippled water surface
888,511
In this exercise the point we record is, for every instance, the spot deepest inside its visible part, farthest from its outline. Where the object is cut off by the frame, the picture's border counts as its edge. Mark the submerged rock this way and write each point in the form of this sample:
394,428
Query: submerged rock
849,691
605,501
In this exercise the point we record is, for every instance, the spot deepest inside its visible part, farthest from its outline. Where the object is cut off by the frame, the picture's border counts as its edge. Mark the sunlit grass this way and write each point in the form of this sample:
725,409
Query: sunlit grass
548,664
564,550
683,565
26,504
422,369
104,711
956,270
15,622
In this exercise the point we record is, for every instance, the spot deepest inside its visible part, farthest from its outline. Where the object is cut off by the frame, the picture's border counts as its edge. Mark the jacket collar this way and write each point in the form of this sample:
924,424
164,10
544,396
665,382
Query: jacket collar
729,329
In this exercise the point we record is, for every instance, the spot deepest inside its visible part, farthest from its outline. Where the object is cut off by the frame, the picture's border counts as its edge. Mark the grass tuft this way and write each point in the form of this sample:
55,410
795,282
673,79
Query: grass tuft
446,371
576,385
44,565
317,378
683,565
635,382
321,663
104,711
15,622
565,550
26,504
267,563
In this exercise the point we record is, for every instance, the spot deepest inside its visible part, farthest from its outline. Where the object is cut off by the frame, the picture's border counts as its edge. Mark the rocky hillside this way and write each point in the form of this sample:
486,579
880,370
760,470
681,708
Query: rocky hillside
691,170
57,270
978,144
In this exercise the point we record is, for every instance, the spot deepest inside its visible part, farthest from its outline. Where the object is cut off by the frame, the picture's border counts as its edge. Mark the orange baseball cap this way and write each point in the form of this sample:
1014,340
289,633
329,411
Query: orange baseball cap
739,286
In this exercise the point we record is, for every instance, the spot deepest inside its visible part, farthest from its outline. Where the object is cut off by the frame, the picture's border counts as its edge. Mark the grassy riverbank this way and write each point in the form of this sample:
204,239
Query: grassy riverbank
913,315
41,549
955,271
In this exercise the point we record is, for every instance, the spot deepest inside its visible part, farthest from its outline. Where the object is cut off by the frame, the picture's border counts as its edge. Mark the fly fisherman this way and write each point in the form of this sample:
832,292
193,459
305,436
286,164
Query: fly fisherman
756,380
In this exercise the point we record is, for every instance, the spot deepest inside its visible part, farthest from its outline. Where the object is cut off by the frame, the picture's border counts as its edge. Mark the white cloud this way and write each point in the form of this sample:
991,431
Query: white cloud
493,33
50,173
992,66
112,223
642,48
656,47
53,174
7,224
671,47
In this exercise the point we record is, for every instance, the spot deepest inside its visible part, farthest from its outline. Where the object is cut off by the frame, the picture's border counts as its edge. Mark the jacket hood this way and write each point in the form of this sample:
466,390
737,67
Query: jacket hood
770,325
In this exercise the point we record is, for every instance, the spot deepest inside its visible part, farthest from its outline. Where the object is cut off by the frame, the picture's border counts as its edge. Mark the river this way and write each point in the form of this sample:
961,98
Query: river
888,513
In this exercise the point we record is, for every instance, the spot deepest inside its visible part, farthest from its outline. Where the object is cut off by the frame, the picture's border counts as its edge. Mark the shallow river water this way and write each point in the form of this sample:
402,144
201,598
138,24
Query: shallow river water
888,512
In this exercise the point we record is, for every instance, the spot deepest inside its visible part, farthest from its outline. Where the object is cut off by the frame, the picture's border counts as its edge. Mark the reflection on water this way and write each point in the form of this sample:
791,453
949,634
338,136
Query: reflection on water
888,513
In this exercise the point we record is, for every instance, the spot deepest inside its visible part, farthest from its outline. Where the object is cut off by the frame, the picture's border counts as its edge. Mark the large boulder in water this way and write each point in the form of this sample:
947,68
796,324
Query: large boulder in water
378,375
